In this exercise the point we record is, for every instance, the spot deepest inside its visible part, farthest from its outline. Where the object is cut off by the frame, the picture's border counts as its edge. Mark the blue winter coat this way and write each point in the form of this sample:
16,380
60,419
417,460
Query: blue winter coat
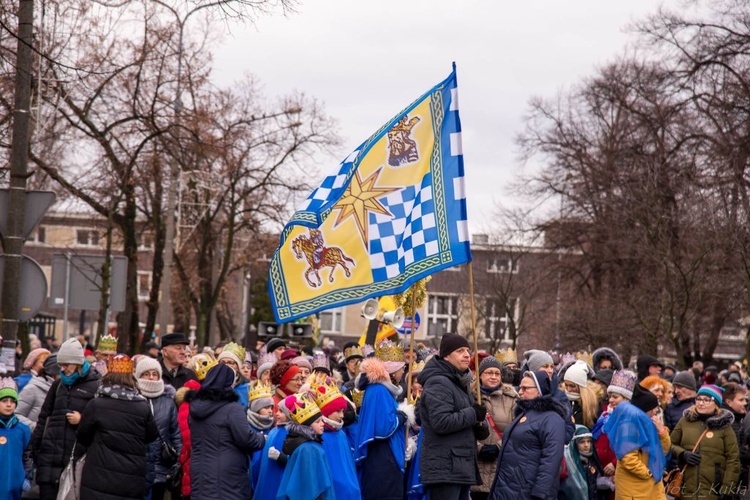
221,441
13,440
532,451
165,414
270,470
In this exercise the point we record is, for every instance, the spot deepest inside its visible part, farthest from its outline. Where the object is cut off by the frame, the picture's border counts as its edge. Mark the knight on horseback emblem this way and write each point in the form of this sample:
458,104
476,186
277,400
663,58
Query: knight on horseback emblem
319,256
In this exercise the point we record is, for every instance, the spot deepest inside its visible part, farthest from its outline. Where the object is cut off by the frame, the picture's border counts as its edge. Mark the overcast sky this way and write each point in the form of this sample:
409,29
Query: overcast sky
367,60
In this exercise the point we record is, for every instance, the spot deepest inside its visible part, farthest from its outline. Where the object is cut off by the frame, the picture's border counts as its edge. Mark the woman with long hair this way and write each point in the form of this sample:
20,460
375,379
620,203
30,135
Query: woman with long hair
583,400
116,428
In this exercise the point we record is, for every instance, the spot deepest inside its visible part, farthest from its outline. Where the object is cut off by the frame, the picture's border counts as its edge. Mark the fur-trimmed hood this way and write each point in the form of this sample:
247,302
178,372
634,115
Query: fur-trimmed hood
374,370
606,352
190,385
719,421
541,404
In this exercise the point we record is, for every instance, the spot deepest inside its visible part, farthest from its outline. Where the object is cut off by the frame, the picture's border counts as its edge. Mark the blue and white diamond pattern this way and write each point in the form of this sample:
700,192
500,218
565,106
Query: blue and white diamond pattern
330,187
409,235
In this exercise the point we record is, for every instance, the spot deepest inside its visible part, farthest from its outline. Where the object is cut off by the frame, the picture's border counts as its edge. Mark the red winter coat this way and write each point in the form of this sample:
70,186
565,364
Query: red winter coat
183,413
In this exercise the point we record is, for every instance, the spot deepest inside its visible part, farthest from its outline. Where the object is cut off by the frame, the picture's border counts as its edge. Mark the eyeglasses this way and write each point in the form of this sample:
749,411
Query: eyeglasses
492,373
703,401
298,379
522,388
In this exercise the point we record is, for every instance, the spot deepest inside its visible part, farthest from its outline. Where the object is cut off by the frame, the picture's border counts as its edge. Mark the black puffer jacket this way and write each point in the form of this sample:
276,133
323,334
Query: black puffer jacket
116,432
53,438
221,441
165,413
449,451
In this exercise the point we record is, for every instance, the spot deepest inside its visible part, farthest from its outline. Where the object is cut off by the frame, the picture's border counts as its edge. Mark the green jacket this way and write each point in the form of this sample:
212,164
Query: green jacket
719,468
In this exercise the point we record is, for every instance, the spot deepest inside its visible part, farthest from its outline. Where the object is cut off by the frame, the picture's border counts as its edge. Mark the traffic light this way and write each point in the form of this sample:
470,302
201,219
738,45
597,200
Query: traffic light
266,329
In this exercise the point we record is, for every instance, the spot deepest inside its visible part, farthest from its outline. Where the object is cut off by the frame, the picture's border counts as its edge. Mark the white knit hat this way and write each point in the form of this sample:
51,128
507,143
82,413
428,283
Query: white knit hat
578,373
230,355
146,363
70,353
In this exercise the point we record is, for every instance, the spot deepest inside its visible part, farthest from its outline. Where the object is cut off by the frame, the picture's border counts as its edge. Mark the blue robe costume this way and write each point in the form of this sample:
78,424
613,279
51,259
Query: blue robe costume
307,476
340,459
14,436
381,445
270,470
242,391
254,471
415,490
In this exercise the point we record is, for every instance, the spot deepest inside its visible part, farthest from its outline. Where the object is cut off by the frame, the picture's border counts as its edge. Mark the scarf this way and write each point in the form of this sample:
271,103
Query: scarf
151,388
332,424
489,390
259,421
78,374
393,389
630,429
598,429
8,422
119,392
573,396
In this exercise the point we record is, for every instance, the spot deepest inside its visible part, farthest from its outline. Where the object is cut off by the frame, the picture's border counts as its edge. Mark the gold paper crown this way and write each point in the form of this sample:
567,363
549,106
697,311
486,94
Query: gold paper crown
585,356
353,351
507,356
108,343
388,351
120,363
324,389
417,367
201,363
237,349
304,407
260,390
357,397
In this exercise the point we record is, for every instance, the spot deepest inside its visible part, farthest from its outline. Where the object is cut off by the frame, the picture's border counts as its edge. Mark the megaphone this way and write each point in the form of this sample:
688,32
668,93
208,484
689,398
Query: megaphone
395,318
370,309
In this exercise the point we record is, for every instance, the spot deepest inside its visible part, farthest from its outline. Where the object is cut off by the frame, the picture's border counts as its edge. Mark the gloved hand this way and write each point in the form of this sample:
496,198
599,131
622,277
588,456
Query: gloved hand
26,485
691,458
411,447
273,453
488,452
480,411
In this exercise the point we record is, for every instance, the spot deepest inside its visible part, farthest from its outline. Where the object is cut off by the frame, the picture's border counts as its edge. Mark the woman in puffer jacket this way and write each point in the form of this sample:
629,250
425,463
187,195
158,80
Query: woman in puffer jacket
533,444
160,397
499,397
55,433
714,468
31,399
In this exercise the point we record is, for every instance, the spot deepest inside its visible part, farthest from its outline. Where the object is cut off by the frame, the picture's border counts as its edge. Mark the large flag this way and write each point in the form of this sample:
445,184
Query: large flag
393,212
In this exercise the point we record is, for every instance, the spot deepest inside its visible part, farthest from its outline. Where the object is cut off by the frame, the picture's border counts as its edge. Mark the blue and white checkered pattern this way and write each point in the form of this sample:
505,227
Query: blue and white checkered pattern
409,235
331,187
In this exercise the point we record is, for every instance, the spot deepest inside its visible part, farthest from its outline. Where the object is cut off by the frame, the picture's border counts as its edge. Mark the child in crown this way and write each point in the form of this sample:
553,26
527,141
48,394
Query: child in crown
307,475
14,436
261,420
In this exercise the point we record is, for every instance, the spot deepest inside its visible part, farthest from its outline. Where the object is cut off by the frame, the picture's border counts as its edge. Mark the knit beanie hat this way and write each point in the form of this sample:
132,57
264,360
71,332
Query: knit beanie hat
535,359
577,373
265,363
289,354
33,355
274,344
714,392
51,368
644,399
623,383
70,353
8,389
490,362
452,342
685,379
303,362
145,364
260,396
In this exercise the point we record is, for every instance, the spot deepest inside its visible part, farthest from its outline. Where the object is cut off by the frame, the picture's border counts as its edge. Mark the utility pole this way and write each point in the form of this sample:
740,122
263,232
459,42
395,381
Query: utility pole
19,160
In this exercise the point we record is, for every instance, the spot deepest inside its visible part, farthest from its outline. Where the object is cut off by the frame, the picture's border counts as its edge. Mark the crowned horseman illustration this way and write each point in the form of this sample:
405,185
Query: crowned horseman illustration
402,149
319,256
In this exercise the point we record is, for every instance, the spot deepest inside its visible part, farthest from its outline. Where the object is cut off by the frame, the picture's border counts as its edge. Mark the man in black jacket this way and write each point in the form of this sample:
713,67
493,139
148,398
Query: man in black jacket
452,423
172,360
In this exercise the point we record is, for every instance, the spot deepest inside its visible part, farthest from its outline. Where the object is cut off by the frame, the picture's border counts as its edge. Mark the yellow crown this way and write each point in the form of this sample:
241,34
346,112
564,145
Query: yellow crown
324,389
260,390
417,367
585,356
388,351
507,356
357,397
120,364
108,343
200,364
301,407
353,351
237,349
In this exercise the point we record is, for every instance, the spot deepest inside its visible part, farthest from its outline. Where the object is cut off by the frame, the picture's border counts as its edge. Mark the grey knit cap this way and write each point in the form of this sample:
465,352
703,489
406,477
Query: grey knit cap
490,362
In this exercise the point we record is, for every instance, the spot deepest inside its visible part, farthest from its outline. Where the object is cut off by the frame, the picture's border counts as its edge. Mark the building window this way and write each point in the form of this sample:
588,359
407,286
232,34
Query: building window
87,237
39,235
498,318
442,314
502,265
147,242
331,321
144,285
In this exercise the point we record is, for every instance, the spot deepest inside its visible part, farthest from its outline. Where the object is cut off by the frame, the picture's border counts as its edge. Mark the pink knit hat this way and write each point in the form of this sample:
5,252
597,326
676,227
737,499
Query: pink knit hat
33,355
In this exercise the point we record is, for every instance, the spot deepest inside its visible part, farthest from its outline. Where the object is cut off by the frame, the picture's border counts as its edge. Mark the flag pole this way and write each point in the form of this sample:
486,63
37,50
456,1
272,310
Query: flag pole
411,347
474,327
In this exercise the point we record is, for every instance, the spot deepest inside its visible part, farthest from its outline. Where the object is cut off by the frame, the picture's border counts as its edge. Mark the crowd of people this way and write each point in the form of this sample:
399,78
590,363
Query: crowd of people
372,422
